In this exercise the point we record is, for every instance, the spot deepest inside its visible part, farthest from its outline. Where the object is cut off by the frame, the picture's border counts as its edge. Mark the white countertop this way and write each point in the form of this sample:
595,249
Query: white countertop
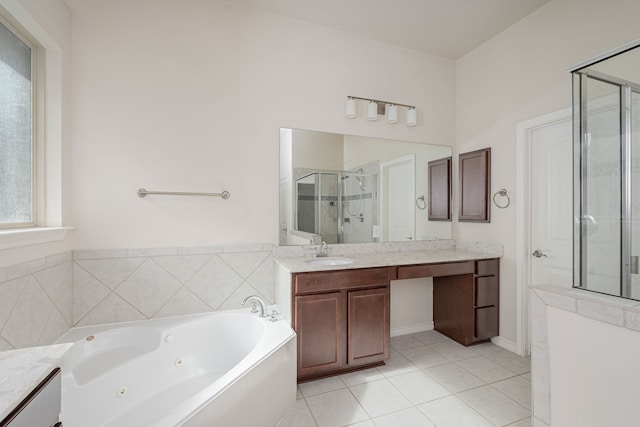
385,259
23,369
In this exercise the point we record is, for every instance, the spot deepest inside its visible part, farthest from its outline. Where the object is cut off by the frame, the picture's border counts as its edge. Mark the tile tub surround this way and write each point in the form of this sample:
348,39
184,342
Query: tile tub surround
41,299
35,301
22,370
614,311
134,284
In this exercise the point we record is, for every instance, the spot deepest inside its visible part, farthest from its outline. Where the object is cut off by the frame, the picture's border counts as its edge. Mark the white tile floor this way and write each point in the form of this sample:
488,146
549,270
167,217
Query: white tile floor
429,380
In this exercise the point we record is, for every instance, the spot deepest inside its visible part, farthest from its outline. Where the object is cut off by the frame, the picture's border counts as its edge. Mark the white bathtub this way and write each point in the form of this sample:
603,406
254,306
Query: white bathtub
227,368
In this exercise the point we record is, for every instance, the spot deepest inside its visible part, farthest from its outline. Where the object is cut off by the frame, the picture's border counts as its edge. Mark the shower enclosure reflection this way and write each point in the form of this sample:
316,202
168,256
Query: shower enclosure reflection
336,207
607,174
349,189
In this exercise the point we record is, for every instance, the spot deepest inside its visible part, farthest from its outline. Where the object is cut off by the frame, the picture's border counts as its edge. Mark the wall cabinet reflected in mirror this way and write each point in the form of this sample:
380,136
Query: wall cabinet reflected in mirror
475,182
440,189
351,189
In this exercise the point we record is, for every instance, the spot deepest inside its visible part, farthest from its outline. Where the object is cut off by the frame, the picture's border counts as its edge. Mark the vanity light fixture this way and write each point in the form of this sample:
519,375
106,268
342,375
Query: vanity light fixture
377,107
351,108
392,113
412,116
372,110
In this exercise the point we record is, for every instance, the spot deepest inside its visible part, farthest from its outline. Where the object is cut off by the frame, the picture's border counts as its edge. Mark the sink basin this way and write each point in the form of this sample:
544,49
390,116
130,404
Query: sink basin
330,261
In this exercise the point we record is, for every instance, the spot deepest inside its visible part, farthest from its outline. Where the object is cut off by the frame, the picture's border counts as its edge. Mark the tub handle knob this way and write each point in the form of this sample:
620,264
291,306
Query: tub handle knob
275,316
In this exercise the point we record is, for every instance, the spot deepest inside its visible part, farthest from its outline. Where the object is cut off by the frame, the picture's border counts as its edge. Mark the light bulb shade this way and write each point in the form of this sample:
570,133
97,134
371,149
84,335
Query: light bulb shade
412,117
372,111
392,113
351,108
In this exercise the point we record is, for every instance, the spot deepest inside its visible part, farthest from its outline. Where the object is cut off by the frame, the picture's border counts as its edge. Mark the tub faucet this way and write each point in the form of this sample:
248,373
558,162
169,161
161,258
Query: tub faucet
254,309
323,250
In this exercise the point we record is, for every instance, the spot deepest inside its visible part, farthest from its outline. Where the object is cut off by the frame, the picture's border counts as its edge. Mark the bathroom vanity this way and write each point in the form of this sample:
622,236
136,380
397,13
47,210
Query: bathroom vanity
341,313
341,319
31,390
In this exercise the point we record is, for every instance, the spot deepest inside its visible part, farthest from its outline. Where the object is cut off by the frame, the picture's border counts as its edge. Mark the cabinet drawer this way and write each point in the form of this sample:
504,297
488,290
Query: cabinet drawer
435,270
486,291
486,322
341,279
487,267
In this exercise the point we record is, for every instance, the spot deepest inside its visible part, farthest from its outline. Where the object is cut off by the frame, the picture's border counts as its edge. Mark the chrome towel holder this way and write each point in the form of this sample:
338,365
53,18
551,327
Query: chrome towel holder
502,192
143,192
421,203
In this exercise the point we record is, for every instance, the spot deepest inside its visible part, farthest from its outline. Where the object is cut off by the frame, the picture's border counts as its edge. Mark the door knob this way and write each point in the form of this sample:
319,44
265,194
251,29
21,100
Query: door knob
538,253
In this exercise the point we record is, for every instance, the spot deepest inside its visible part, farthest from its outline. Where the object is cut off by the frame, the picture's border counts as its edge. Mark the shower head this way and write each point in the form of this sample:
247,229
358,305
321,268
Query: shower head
359,180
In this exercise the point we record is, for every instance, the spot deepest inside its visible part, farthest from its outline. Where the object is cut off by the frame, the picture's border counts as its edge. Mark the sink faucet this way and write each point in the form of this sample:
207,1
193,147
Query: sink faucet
323,250
254,309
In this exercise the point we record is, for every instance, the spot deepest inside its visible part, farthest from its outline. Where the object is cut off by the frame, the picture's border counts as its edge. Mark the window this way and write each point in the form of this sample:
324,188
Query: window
17,150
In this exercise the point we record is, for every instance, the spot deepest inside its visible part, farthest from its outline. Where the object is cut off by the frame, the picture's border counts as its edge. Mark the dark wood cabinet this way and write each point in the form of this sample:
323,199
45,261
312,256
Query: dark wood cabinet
341,319
475,183
465,307
319,321
368,326
439,173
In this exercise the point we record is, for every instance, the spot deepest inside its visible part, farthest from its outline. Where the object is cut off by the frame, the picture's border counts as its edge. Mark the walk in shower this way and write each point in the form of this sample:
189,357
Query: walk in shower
607,173
337,207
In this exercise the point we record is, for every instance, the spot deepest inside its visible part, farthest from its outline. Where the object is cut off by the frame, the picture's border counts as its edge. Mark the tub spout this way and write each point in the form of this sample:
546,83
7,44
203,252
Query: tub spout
258,300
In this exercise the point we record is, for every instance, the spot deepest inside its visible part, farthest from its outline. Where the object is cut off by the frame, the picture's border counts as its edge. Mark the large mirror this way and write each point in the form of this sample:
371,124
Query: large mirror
350,189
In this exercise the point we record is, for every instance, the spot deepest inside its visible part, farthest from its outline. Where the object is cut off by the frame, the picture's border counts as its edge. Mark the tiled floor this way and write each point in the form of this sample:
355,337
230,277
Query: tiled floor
429,380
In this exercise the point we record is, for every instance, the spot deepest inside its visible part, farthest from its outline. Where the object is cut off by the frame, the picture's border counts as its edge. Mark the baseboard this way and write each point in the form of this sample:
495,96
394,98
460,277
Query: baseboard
412,329
504,343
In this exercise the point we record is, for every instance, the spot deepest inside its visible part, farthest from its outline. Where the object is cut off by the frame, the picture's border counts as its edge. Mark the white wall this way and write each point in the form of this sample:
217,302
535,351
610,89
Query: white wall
518,75
190,96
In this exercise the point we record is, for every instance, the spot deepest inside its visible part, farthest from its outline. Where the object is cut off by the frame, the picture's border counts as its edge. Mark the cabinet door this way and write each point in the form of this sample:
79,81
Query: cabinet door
319,324
474,182
368,326
41,407
453,313
440,190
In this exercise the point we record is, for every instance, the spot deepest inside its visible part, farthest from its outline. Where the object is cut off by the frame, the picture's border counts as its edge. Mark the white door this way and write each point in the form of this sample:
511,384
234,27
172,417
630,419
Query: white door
398,196
545,211
552,205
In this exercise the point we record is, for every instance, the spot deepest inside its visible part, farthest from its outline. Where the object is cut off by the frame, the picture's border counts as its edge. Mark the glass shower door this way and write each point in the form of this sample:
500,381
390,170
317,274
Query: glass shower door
607,173
634,286
601,188
607,244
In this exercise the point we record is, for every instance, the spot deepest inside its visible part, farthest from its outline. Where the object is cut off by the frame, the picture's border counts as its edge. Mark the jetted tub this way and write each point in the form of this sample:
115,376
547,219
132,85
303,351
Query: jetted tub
227,368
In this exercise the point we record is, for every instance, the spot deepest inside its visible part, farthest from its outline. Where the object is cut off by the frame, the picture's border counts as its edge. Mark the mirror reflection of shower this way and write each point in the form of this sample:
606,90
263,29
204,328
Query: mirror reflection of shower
337,206
353,208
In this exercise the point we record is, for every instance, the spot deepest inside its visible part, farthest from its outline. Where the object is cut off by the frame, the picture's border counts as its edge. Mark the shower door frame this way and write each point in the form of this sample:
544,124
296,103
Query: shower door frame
582,136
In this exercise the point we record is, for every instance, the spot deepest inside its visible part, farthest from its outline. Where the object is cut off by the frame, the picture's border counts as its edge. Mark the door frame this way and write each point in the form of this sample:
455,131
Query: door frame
411,159
523,221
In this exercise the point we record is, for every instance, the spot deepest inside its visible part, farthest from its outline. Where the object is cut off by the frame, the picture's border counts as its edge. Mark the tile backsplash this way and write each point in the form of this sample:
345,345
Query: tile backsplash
117,286
35,301
40,300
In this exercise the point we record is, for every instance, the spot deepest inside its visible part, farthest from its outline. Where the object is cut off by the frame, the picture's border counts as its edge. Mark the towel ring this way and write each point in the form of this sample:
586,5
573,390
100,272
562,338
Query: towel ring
502,192
421,203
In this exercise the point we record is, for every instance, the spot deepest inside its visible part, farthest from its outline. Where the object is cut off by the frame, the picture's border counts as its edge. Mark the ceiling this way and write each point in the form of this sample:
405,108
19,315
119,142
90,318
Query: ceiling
449,28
